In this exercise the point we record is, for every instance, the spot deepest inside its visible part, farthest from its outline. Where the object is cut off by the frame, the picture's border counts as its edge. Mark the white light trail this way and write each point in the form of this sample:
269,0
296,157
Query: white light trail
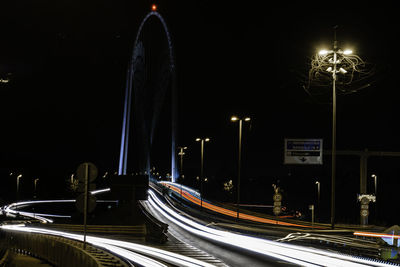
95,192
288,252
125,249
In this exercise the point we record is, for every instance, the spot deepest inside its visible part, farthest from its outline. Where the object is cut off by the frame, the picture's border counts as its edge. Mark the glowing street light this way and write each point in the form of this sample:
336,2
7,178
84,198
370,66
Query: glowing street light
375,182
35,186
153,7
18,177
318,196
202,140
181,153
234,119
376,192
335,62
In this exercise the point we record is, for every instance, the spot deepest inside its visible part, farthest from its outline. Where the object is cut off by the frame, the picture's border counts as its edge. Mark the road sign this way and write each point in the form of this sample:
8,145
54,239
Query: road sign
277,210
364,201
277,197
303,151
86,168
81,187
277,203
80,203
364,213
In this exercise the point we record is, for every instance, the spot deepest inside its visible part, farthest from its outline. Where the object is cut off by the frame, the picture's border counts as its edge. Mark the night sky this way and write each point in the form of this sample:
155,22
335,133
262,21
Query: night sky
66,62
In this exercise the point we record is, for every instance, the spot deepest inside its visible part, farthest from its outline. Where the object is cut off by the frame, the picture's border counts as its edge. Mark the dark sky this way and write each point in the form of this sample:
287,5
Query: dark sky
68,61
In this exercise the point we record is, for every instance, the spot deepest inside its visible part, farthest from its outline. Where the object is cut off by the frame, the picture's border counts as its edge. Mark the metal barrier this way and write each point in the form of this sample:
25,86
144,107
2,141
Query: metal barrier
59,251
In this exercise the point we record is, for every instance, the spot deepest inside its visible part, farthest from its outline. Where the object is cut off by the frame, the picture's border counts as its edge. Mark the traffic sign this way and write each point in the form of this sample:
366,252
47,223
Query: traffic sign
86,169
364,201
364,213
80,203
303,151
277,210
364,206
277,197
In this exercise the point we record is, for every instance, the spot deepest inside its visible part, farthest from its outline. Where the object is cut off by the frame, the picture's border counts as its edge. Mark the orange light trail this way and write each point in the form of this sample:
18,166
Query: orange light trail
371,234
231,213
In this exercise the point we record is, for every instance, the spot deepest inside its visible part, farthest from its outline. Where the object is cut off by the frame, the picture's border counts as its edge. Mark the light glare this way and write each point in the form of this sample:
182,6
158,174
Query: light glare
323,52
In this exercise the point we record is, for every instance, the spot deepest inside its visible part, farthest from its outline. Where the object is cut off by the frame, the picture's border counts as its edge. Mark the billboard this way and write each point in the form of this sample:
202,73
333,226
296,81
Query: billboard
303,151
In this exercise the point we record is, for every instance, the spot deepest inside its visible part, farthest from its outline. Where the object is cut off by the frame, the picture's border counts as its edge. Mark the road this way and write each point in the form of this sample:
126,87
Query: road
223,241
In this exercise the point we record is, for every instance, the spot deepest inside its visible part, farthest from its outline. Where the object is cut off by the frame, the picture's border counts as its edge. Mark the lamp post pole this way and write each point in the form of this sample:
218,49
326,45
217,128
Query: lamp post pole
334,70
234,118
18,177
376,192
35,187
333,142
202,140
318,198
181,153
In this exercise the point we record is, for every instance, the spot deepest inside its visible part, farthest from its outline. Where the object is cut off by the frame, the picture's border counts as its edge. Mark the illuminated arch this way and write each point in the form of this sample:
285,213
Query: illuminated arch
122,167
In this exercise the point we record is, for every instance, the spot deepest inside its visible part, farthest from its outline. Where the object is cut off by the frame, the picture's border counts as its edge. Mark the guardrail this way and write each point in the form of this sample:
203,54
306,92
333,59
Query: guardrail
59,251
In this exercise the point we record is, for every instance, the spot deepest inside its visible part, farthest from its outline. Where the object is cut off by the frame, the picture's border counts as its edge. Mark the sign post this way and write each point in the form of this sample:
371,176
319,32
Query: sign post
86,172
277,203
365,199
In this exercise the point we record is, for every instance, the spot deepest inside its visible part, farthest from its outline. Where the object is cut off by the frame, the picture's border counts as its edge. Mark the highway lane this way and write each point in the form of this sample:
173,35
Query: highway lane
247,250
135,253
299,255
231,256
194,197
342,239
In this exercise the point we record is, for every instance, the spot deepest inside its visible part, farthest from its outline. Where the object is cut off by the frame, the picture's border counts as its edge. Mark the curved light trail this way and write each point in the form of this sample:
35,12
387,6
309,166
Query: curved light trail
194,197
141,254
145,255
290,253
12,209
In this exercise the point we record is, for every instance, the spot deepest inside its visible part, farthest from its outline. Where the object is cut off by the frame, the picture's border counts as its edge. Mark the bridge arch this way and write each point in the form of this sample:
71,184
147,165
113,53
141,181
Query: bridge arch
132,69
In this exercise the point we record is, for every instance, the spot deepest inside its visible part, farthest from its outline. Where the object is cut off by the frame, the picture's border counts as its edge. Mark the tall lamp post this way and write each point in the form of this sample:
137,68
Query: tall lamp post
376,192
318,197
181,153
18,177
35,187
202,140
375,182
240,120
334,58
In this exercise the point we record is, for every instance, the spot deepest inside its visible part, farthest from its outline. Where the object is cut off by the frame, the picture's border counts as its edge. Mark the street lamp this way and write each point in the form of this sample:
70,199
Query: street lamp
335,59
318,196
375,182
35,186
202,140
18,177
181,153
240,120
376,191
